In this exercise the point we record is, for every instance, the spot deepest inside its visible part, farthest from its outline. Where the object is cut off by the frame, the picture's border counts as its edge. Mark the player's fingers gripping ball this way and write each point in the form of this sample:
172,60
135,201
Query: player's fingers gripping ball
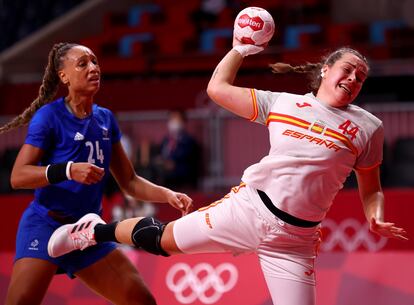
254,26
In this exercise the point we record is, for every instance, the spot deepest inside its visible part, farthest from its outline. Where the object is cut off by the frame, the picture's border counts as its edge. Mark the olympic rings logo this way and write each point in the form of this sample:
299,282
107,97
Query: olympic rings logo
182,278
350,235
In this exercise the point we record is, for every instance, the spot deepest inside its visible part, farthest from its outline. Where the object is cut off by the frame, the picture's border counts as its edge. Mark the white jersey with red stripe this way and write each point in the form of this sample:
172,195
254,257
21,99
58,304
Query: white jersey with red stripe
313,149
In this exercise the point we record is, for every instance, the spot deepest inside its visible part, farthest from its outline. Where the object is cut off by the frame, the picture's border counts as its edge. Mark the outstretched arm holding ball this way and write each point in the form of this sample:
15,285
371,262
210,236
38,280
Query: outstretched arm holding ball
253,28
221,89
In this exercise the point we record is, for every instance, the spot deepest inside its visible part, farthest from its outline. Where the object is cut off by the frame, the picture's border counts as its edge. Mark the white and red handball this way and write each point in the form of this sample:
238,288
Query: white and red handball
254,25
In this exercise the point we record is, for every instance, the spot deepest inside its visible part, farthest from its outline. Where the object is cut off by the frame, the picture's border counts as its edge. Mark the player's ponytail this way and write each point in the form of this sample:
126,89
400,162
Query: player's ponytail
281,67
48,88
314,69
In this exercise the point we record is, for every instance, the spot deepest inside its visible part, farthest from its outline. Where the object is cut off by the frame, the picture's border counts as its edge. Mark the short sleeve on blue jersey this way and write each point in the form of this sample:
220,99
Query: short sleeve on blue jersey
39,133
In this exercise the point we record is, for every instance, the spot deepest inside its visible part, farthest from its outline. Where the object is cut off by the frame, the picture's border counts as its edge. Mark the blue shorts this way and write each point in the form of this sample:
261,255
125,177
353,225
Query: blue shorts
35,229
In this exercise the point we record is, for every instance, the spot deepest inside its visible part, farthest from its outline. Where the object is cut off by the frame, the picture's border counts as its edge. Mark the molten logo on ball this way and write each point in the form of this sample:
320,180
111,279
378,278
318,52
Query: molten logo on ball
254,23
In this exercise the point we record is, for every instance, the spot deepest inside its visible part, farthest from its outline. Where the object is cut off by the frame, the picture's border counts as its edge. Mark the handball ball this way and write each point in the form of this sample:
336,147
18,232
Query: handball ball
254,25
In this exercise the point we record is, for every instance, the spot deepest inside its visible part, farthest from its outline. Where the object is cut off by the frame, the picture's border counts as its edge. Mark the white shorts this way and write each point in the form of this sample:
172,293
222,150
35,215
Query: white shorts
241,223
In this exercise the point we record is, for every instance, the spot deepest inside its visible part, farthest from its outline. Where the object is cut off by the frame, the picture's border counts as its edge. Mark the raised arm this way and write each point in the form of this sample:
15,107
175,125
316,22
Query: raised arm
221,89
372,198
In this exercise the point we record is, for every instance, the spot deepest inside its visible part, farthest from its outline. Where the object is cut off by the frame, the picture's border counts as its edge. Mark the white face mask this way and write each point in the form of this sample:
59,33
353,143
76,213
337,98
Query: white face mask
174,127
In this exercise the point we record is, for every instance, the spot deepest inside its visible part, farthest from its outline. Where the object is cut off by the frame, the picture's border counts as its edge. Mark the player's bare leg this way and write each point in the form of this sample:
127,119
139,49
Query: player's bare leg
29,281
128,288
124,229
168,242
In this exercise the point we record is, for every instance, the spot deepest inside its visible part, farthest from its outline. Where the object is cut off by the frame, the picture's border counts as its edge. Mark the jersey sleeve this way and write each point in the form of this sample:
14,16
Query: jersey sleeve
115,131
263,102
40,131
372,154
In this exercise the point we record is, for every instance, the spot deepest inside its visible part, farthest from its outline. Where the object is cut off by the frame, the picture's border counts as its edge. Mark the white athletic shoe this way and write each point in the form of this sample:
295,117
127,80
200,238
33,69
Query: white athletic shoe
76,236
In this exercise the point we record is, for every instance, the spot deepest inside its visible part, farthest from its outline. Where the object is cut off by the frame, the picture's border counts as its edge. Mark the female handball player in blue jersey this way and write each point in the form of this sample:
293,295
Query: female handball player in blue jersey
71,146
316,140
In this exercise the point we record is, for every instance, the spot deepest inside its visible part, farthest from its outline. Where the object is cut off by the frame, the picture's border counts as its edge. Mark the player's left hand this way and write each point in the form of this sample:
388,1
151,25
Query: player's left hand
180,201
387,229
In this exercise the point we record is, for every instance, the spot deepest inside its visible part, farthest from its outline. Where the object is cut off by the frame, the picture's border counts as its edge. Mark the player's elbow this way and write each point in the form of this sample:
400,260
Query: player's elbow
211,92
215,92
15,182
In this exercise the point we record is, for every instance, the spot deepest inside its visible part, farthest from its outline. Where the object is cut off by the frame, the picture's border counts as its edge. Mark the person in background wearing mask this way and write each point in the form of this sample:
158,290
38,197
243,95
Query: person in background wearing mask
179,154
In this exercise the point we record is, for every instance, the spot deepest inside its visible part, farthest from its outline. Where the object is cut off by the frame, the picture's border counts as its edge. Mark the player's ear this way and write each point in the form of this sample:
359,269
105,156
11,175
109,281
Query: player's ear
63,77
323,70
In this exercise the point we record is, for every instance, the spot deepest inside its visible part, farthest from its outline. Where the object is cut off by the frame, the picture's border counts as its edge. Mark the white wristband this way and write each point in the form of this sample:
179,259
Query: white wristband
247,49
68,165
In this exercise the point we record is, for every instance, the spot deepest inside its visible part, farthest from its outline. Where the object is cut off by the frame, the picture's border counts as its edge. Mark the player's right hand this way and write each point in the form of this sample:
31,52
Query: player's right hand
86,173
246,49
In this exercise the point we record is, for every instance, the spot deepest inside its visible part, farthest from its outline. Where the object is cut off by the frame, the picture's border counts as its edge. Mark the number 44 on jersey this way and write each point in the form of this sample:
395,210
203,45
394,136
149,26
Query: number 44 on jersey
348,129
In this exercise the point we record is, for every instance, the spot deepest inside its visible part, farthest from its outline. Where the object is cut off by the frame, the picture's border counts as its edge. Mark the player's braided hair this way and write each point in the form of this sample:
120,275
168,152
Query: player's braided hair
48,88
314,69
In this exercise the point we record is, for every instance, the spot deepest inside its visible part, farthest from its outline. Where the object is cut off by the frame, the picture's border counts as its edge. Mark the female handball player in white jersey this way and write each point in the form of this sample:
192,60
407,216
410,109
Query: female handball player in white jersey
71,145
316,141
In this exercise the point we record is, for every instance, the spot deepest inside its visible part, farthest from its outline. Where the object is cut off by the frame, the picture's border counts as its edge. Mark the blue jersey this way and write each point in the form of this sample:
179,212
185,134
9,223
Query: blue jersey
64,137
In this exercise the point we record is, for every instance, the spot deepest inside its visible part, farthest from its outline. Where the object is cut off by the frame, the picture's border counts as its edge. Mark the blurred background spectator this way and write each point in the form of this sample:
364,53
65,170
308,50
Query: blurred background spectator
179,158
